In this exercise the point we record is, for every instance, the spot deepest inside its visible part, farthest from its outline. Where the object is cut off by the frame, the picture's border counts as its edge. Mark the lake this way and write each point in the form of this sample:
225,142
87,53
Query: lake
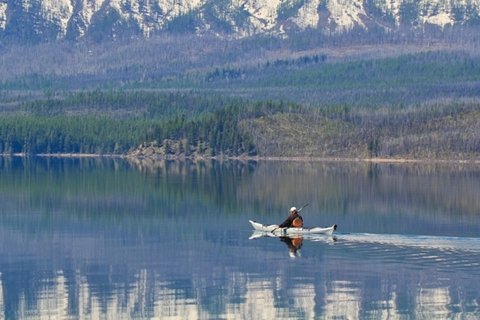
116,239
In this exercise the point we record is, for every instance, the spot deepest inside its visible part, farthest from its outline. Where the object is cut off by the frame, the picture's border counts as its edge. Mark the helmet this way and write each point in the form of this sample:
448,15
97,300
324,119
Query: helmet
293,209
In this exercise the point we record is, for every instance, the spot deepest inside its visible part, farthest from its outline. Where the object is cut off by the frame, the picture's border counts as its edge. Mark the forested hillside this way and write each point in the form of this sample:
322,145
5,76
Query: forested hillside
235,127
419,99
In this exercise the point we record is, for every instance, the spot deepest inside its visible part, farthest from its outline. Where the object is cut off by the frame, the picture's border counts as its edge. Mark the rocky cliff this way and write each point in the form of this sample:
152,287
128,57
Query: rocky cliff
50,20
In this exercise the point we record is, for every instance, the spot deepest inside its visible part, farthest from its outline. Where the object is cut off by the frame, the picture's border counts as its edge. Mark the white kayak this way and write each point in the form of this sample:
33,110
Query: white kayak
276,230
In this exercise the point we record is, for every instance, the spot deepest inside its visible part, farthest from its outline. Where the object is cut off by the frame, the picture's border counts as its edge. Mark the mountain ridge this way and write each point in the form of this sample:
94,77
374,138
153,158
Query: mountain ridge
53,20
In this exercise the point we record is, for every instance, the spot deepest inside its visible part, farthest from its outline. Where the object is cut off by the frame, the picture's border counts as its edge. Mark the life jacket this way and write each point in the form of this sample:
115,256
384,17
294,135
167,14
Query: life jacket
297,242
297,223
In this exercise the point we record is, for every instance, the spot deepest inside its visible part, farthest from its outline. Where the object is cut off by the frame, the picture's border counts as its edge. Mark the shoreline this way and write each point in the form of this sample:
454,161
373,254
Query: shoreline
255,158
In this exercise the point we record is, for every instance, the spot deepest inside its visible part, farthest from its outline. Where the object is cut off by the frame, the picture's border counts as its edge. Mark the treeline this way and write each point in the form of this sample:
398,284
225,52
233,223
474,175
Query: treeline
83,134
77,134
125,103
232,73
446,129
44,131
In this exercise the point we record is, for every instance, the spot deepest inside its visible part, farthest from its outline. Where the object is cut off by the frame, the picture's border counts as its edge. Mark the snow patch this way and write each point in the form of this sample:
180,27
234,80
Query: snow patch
441,19
263,13
249,17
346,14
307,16
390,7
26,5
3,15
437,12
88,9
170,8
146,15
58,11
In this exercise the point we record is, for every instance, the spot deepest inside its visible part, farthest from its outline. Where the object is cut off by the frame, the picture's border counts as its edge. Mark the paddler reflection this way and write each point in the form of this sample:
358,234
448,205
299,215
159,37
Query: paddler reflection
294,245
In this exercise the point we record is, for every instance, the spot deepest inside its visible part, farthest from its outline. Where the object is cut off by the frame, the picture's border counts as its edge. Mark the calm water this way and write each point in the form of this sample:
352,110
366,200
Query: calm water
111,239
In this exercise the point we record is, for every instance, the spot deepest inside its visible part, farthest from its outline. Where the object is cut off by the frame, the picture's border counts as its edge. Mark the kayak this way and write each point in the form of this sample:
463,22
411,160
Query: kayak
276,230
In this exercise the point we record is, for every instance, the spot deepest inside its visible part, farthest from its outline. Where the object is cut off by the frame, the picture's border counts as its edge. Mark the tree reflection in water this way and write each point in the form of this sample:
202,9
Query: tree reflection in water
107,238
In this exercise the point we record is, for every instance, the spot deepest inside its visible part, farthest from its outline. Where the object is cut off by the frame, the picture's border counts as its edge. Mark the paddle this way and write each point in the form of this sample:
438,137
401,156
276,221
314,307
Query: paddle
298,210
305,205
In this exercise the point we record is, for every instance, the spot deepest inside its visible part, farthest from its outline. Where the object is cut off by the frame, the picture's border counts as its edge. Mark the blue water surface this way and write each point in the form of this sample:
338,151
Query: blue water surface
118,239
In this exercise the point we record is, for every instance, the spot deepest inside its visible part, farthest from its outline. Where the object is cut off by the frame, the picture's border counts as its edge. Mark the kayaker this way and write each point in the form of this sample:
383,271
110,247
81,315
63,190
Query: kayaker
293,220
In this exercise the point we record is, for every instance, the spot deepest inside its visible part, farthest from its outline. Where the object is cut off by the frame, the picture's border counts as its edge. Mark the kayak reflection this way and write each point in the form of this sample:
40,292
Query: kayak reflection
294,245
294,242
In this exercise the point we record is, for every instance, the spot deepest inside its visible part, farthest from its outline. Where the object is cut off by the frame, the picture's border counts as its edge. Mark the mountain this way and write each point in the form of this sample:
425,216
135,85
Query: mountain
33,21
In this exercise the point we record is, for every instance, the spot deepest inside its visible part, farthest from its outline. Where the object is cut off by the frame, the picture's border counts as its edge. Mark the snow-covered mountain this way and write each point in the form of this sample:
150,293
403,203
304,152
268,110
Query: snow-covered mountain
40,20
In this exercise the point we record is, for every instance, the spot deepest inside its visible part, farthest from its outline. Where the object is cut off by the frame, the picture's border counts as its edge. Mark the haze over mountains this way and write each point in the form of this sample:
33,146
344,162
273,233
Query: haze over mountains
33,21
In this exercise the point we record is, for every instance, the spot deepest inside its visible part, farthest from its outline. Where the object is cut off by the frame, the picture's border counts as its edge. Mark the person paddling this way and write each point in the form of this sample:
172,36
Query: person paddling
294,219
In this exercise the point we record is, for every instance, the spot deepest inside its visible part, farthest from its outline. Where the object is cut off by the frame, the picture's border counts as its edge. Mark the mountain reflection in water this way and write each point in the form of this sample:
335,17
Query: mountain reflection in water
101,239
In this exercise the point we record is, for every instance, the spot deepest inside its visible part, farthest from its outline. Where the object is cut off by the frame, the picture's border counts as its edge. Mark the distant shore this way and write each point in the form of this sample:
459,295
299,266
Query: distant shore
372,160
64,155
254,158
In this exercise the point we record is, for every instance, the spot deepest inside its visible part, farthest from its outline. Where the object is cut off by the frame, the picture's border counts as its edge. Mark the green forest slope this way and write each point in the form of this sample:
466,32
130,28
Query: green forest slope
417,105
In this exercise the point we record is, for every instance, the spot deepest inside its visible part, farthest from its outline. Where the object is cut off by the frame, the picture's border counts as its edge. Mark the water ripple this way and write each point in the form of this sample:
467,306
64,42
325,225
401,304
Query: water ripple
443,252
